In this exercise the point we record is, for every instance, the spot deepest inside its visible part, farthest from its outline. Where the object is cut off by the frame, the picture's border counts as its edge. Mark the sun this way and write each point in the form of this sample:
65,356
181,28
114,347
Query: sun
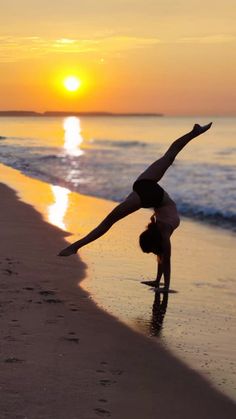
72,83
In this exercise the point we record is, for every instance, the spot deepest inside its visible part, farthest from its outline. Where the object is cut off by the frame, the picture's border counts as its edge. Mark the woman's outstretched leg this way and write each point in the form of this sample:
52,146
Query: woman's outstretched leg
157,169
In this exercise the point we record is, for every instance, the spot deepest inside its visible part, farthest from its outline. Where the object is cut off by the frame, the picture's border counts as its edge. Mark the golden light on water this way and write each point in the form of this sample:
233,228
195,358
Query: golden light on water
72,83
72,143
73,137
57,211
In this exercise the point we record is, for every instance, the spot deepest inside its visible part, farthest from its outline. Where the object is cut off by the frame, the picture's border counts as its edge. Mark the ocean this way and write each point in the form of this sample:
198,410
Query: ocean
102,156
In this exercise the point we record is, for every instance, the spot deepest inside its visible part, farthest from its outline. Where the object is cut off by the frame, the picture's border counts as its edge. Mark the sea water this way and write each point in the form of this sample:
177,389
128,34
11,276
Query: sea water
102,156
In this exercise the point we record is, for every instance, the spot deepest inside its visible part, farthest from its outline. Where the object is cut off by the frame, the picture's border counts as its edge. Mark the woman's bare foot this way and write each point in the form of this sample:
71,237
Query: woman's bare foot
68,251
198,129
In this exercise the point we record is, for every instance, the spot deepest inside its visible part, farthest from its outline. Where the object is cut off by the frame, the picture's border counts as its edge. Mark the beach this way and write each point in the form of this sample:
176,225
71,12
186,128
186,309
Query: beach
117,132
62,356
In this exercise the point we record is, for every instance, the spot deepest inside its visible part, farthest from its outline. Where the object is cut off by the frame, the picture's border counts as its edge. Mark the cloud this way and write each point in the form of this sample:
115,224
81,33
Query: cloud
210,39
14,49
65,41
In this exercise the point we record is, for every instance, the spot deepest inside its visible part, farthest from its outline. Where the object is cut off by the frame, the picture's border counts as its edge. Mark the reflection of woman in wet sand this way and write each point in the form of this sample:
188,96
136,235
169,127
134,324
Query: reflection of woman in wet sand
158,313
148,194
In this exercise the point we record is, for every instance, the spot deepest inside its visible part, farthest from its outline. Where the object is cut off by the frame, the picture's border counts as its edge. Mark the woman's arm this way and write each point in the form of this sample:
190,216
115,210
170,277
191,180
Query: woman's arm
166,260
159,272
131,204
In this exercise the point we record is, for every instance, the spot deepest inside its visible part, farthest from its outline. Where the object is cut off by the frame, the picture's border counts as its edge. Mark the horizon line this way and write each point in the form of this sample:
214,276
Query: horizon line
25,113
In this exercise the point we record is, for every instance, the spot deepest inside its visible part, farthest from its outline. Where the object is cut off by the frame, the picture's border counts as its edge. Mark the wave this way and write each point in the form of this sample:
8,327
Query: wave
208,214
226,151
204,192
49,157
193,209
201,191
118,143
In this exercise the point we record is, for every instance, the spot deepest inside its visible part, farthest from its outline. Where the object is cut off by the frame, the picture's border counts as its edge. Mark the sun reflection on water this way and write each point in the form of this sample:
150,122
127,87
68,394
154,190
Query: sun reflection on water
72,146
57,211
73,137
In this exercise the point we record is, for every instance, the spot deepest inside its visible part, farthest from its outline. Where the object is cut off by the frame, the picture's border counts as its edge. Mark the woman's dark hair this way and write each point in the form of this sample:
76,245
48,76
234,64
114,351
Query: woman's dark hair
151,240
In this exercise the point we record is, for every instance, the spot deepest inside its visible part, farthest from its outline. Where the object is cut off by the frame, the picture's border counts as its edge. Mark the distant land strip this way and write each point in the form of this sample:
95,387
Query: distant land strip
63,113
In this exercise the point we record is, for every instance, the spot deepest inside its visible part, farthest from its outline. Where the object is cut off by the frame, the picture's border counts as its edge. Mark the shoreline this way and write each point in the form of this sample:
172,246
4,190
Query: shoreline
116,267
64,358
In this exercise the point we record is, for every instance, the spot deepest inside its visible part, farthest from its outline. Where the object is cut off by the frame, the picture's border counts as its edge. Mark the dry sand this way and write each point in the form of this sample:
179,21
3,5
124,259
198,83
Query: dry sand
62,357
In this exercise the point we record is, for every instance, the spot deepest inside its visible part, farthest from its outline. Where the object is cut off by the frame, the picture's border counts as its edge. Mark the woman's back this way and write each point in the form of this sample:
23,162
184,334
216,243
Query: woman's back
167,212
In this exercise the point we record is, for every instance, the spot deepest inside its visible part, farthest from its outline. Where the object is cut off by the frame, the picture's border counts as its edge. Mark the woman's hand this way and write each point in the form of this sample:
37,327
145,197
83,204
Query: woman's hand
166,260
159,272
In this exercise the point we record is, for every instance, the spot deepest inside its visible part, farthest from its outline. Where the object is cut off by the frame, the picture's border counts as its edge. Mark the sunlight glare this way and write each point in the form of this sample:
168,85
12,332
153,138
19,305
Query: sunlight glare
57,211
72,83
73,137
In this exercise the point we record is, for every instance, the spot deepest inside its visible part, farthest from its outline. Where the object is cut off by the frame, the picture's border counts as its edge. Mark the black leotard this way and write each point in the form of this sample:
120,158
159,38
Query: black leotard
150,193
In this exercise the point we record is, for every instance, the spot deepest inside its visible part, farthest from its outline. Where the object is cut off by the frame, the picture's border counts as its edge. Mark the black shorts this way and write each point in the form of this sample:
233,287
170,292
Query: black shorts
150,193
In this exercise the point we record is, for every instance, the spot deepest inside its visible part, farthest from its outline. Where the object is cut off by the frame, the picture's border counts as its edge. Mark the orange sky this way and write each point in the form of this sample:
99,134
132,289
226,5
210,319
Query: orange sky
176,57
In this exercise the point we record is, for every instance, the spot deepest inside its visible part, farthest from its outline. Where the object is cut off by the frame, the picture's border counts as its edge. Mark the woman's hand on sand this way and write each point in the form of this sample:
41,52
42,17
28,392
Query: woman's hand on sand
198,129
68,251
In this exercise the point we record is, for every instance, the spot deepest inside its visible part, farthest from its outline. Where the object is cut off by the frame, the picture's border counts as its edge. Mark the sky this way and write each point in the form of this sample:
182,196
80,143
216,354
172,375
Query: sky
174,57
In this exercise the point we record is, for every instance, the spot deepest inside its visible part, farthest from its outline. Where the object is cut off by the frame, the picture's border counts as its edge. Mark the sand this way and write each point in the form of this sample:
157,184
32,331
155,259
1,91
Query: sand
199,323
63,357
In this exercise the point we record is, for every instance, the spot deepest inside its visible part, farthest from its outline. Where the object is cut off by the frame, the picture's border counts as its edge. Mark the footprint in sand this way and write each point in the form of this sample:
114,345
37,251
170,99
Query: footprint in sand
46,292
53,301
11,261
9,272
106,382
116,372
13,360
102,412
75,340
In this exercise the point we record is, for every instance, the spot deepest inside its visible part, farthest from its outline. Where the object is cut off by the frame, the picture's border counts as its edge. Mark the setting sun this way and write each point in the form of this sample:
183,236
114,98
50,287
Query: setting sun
72,83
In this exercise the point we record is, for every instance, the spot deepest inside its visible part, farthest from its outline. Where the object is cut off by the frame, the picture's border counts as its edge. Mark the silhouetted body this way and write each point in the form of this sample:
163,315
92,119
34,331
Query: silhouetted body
147,193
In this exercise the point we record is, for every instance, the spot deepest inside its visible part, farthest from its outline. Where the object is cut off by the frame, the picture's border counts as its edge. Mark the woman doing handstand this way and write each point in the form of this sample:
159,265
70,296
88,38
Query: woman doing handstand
148,194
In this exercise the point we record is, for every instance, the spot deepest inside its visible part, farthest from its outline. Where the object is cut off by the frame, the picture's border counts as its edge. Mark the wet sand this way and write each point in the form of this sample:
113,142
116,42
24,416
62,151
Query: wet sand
197,320
61,355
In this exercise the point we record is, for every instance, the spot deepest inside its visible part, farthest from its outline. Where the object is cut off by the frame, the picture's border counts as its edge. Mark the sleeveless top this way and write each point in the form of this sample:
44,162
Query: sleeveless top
153,195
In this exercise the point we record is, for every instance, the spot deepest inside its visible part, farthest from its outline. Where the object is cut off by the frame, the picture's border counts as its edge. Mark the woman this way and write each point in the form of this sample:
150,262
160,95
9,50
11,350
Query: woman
148,194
